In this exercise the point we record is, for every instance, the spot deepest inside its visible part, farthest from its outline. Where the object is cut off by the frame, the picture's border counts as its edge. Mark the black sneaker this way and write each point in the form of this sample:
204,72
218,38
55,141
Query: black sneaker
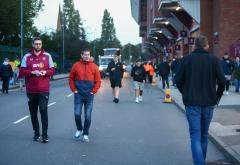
45,139
36,137
117,100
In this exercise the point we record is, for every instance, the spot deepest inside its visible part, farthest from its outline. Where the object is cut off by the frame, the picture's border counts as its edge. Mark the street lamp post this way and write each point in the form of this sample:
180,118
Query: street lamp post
129,54
21,24
63,42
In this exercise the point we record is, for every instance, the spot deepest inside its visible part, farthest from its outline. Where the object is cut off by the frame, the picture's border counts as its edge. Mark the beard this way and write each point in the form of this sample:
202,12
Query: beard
37,49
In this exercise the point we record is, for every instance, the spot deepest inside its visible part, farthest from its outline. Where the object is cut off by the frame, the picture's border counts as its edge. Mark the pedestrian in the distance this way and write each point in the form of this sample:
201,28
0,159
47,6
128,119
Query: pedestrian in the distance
227,66
6,73
139,76
201,88
175,67
164,71
37,68
84,81
115,68
236,74
151,73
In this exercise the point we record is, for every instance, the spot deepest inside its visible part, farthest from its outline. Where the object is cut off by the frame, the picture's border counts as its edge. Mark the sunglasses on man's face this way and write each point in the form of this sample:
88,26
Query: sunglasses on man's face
37,43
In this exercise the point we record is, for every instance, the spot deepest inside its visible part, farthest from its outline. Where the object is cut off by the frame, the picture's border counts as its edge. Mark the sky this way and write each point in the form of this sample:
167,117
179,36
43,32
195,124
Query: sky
91,12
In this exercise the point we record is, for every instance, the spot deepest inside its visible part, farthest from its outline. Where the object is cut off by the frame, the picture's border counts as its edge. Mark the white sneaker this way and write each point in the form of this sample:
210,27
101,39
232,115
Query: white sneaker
86,139
227,93
140,98
137,100
78,134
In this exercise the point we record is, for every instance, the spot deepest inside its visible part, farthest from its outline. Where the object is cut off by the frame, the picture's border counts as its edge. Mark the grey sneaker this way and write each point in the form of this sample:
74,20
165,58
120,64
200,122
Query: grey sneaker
86,138
78,134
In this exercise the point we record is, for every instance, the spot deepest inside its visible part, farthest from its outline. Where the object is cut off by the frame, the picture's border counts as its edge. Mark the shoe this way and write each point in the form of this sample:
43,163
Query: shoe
117,100
140,98
36,137
114,100
45,139
78,134
227,93
137,100
86,138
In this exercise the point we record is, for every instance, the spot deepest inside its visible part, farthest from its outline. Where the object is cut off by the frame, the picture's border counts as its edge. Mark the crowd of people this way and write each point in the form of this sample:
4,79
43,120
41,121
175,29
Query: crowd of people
196,83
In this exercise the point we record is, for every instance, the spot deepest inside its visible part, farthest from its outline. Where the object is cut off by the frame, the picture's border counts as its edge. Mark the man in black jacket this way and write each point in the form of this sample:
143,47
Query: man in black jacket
6,73
174,67
164,70
115,68
196,79
139,76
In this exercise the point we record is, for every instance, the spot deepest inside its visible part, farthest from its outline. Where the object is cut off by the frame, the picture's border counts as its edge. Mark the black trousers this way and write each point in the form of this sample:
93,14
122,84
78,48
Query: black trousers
5,84
39,101
165,81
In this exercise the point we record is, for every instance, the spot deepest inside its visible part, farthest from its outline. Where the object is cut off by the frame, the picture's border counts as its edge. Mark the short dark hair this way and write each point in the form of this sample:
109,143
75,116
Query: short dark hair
36,39
86,50
138,60
201,41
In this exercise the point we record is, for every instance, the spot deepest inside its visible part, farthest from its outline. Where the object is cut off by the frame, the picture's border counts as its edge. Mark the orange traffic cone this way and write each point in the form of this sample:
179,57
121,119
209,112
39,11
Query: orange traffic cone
168,98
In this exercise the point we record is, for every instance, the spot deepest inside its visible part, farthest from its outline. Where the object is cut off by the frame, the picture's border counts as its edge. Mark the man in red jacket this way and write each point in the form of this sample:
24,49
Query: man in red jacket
37,68
84,81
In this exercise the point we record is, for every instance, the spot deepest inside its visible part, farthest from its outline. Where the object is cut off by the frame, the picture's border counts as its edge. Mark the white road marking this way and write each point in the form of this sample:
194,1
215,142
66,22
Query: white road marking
20,120
49,105
70,95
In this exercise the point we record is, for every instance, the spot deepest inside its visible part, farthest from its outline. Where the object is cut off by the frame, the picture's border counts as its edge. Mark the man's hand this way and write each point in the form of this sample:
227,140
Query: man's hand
75,92
43,72
92,93
113,69
36,72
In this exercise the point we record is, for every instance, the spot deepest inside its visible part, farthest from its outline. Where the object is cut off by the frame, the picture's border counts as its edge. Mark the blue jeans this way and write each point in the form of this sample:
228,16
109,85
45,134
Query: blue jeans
237,85
79,101
199,119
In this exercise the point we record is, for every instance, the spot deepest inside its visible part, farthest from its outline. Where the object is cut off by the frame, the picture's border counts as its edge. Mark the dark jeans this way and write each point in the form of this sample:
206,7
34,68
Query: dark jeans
79,101
5,84
199,119
237,85
150,79
227,85
35,101
165,81
173,79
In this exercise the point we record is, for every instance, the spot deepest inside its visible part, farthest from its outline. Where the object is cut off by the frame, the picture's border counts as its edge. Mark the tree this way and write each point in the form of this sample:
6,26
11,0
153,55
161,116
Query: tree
75,37
131,50
10,20
72,21
108,35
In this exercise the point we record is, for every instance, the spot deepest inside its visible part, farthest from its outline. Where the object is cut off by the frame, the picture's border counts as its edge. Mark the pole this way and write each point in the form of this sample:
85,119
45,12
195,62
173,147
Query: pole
63,43
21,24
129,54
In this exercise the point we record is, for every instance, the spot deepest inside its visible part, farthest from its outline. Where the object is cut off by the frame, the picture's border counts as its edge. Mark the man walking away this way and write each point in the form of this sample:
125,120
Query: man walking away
84,81
227,69
198,87
37,68
115,68
236,74
139,76
164,70
6,73
175,67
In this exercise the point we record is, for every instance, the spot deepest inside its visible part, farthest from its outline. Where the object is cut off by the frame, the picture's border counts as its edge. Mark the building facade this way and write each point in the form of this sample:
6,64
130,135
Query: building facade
169,27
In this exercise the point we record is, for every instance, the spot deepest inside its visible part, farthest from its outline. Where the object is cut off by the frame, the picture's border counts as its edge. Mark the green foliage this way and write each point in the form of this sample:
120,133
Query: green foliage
10,20
108,35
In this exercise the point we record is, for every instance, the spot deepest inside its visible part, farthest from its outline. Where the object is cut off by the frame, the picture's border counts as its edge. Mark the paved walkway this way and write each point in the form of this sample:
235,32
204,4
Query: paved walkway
226,122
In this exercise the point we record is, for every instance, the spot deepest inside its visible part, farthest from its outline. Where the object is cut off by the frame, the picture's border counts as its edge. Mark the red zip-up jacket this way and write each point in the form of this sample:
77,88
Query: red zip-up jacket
85,77
32,62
